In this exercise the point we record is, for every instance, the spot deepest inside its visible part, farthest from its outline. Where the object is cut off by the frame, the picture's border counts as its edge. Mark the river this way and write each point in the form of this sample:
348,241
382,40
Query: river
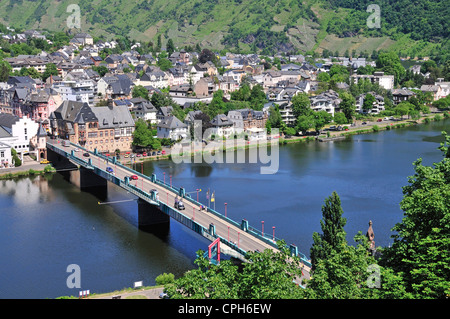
47,224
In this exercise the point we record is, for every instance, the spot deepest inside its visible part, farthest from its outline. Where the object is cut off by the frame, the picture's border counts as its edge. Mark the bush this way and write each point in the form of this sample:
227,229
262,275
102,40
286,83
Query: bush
17,161
375,128
164,279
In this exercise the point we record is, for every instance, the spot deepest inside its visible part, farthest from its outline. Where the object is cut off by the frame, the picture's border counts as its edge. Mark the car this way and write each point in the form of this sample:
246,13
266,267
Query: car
133,177
179,204
126,156
163,152
144,154
139,155
379,120
163,295
76,150
109,169
44,161
364,123
153,153
86,154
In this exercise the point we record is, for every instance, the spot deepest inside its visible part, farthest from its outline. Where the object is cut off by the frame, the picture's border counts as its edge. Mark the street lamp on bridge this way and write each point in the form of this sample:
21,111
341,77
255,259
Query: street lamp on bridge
262,230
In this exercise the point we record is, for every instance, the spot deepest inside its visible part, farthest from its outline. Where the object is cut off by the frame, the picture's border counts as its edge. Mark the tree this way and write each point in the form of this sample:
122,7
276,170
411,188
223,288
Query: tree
333,235
164,64
304,123
266,275
339,118
420,253
320,119
143,136
323,77
301,105
275,118
5,70
101,70
343,274
369,99
347,105
50,69
207,55
403,108
389,62
170,47
140,91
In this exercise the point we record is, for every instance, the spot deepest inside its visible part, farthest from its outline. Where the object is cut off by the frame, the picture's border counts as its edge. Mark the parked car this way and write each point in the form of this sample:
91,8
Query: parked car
134,177
86,154
109,170
364,123
179,204
44,161
139,155
379,120
144,154
163,295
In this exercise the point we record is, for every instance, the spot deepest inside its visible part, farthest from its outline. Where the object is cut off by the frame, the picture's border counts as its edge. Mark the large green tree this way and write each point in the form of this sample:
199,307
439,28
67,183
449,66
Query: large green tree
420,254
347,105
333,235
301,105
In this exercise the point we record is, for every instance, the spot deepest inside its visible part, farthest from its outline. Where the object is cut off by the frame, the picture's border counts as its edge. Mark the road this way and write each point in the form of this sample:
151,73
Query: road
224,229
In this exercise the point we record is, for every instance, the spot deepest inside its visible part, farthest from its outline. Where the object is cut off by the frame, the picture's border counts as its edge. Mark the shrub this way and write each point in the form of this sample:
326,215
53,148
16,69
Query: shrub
375,128
164,279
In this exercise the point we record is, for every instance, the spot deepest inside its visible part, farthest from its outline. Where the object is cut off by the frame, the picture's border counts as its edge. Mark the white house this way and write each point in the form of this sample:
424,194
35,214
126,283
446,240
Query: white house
146,111
377,105
222,126
327,101
17,132
171,127
5,155
385,81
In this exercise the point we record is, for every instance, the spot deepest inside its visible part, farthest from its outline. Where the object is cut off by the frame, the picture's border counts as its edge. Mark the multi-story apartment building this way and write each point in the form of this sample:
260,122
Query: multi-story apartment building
106,128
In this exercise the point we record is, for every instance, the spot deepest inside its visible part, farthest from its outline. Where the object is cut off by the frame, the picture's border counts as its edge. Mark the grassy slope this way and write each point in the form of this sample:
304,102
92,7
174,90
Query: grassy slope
188,22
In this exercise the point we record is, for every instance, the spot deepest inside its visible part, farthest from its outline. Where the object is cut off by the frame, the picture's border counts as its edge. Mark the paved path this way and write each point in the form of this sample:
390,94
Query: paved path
152,293
27,164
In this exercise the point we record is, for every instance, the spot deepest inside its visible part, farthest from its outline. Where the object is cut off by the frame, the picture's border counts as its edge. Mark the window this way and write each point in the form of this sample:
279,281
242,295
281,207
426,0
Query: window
2,154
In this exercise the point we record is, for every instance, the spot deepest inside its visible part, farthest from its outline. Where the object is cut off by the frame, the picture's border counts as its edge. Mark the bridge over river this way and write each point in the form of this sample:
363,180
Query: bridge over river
154,211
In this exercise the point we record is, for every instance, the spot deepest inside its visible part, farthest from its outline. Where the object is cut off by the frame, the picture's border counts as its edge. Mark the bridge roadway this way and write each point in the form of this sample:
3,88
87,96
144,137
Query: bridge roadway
226,230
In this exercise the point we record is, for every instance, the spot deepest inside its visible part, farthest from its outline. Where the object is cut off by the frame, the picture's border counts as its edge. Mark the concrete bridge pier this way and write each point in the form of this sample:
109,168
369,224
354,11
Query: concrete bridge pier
151,218
92,183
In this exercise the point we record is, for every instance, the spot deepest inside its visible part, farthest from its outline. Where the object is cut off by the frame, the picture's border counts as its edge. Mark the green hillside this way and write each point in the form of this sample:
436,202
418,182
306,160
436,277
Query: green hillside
264,26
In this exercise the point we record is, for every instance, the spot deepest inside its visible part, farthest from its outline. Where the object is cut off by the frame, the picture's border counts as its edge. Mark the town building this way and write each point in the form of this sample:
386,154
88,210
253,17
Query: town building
105,128
385,81
171,127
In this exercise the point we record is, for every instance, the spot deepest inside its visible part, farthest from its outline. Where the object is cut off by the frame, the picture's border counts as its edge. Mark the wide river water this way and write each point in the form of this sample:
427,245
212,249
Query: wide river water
47,224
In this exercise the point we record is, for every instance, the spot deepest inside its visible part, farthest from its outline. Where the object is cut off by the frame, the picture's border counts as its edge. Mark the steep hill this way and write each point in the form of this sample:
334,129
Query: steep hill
265,26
